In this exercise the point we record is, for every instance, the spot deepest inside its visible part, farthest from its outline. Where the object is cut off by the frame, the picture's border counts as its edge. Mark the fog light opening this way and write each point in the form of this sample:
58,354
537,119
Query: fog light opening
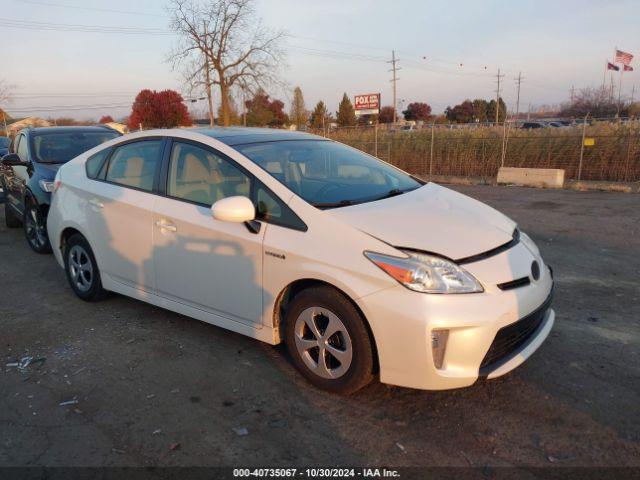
438,346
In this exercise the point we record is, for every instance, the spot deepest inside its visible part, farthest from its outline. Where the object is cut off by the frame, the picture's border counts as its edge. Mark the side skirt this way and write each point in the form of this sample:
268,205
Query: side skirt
260,332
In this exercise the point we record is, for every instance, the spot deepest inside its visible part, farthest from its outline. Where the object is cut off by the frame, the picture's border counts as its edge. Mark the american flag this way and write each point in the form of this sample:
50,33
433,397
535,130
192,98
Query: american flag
611,66
627,68
623,57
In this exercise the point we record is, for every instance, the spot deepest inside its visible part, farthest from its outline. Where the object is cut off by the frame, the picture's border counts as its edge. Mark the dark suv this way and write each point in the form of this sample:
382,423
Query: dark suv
29,169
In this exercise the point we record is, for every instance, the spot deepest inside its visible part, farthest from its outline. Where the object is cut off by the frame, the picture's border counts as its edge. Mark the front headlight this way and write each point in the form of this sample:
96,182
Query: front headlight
427,273
46,186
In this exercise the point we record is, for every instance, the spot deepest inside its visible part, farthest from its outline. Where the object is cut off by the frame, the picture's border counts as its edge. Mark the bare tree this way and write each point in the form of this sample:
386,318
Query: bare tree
223,43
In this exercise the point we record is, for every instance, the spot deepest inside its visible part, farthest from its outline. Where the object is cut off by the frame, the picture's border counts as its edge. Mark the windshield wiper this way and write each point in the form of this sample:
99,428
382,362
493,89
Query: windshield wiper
341,203
393,193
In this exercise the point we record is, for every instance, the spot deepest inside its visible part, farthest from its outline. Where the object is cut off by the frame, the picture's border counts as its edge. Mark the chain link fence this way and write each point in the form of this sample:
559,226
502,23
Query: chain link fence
602,151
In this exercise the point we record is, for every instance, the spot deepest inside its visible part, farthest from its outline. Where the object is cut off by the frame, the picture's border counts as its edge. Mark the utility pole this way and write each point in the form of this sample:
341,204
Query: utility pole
572,92
633,93
518,81
498,76
394,79
207,80
529,112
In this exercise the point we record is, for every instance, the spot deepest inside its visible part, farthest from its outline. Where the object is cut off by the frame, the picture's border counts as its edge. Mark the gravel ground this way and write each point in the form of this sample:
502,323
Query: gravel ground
156,388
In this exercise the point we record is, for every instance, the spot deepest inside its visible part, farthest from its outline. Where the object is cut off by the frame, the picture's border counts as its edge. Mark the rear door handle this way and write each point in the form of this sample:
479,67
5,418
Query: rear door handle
167,226
96,204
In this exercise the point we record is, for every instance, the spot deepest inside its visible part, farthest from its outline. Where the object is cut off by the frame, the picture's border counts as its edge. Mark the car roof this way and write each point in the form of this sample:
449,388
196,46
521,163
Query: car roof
243,135
70,129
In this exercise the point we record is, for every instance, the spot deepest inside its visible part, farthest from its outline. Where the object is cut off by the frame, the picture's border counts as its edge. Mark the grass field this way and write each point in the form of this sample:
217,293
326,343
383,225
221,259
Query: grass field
477,152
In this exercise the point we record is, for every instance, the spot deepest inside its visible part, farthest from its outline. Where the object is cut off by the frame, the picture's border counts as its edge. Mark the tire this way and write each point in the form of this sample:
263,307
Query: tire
11,220
82,269
340,363
34,225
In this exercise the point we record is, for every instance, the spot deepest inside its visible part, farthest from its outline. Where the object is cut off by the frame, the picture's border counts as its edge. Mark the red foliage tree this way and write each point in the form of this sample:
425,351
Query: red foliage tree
280,118
106,119
165,109
417,111
386,115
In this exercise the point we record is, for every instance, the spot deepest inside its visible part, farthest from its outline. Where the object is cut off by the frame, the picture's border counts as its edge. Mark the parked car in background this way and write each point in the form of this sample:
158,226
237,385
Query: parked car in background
359,268
532,125
4,149
29,169
4,146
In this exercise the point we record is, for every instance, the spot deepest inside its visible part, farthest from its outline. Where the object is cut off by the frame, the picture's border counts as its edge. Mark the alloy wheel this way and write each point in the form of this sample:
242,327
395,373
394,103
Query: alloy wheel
80,268
35,228
323,342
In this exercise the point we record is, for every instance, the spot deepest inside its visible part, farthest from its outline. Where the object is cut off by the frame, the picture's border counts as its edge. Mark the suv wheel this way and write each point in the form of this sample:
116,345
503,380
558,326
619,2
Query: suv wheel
11,220
328,341
35,228
82,269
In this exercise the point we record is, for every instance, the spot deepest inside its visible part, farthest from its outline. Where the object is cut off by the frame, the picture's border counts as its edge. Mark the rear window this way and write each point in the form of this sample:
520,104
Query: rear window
62,147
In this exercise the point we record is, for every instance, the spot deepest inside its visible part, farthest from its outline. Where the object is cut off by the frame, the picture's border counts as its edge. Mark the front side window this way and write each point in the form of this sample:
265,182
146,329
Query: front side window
134,164
199,175
271,209
62,147
328,174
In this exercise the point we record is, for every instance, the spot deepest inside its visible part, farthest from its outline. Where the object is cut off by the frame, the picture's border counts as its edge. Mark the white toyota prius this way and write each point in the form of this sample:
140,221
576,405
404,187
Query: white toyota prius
359,268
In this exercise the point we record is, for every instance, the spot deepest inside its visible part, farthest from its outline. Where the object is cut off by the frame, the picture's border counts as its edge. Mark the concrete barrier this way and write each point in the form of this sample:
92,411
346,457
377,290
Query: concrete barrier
533,177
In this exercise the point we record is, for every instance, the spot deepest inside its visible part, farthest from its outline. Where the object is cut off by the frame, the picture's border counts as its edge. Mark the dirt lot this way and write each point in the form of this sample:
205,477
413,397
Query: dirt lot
146,379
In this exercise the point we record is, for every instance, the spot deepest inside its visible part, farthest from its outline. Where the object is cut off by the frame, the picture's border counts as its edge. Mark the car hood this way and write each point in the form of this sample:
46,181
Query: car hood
431,219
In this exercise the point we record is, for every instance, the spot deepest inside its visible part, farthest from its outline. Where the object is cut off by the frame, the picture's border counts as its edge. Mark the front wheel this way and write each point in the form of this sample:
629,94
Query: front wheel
35,228
82,269
328,341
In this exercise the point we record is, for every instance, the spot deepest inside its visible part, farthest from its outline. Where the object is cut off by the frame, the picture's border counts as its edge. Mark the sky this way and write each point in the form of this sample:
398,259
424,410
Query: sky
448,51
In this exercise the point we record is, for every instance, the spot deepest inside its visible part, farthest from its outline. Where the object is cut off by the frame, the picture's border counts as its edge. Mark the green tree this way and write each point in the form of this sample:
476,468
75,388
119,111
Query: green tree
259,112
480,110
491,111
346,115
299,115
319,116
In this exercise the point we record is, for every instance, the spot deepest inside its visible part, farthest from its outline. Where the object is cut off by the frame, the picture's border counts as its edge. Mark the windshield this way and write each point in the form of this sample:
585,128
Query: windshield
329,174
62,147
4,142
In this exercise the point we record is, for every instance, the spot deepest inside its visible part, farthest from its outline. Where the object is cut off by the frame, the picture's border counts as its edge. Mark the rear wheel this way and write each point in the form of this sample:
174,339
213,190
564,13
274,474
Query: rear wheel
328,341
35,228
82,269
11,220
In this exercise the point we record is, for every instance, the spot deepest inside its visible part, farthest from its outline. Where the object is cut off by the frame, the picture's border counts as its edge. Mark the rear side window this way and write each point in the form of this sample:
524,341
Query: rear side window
134,164
95,162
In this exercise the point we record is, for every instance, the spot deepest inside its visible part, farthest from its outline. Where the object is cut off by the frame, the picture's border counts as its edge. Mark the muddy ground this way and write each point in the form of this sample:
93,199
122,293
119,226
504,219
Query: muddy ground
156,388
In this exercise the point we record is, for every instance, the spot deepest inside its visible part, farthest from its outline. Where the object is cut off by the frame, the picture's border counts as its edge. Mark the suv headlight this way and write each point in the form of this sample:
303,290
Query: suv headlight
46,186
427,273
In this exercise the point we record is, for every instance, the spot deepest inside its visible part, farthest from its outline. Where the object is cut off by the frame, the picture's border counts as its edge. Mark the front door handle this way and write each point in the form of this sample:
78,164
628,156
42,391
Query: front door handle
166,226
96,205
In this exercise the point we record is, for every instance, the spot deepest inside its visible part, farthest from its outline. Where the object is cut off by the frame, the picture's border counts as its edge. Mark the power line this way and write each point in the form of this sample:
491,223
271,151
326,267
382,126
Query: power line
65,27
93,9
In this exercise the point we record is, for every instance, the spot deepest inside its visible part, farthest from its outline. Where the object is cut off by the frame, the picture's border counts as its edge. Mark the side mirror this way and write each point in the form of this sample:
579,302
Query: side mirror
236,209
13,160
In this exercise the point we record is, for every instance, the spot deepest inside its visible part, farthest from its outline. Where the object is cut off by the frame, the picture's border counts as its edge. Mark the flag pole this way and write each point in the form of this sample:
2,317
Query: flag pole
620,91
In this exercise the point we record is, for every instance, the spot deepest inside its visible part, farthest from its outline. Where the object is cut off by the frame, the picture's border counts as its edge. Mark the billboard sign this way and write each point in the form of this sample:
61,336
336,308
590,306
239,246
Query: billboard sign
368,104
